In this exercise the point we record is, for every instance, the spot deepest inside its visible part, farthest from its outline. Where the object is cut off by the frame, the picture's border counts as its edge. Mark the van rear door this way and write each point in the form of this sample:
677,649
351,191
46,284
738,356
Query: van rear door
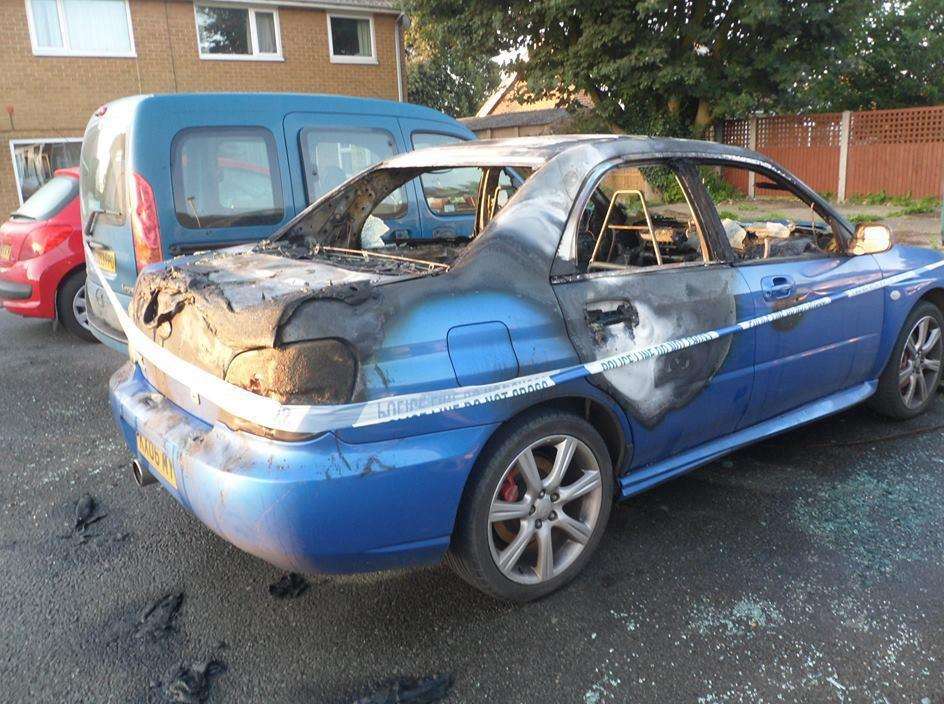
104,197
328,148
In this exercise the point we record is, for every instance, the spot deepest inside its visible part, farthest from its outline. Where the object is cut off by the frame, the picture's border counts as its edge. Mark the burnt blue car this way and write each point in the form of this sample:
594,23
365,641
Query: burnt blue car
587,255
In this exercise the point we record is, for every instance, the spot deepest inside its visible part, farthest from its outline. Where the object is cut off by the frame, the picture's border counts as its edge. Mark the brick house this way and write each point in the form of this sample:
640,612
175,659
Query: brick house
62,59
505,114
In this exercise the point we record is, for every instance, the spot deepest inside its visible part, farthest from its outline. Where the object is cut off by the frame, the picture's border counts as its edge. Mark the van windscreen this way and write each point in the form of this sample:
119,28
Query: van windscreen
103,170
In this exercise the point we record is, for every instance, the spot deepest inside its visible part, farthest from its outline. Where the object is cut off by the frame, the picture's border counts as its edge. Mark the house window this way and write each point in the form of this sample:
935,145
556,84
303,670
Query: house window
35,161
230,32
80,27
351,39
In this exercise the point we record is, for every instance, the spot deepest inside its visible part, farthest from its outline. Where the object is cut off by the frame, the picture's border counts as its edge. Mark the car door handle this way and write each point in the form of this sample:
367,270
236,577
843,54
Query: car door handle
623,314
777,287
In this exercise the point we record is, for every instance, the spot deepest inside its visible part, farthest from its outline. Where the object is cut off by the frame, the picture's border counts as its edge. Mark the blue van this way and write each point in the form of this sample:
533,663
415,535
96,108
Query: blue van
164,175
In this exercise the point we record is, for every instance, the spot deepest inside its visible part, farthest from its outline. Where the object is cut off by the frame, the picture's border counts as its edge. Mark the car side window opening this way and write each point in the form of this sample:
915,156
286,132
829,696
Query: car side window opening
450,191
332,155
776,223
638,217
226,177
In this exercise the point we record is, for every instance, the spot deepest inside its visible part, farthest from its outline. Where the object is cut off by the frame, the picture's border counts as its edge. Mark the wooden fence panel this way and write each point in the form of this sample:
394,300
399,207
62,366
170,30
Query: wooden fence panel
736,132
900,152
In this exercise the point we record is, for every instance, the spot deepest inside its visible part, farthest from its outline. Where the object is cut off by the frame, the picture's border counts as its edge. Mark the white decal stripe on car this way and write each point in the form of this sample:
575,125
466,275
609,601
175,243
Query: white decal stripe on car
317,419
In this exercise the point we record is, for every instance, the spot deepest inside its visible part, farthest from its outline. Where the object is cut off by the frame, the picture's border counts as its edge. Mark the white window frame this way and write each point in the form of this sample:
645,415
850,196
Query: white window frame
253,32
64,50
335,59
39,140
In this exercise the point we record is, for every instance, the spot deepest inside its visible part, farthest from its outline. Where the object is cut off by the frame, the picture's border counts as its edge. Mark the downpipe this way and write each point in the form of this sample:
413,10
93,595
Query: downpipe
142,477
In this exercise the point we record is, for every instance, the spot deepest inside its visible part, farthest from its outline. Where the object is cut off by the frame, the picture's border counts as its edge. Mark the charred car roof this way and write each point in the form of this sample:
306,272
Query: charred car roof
533,152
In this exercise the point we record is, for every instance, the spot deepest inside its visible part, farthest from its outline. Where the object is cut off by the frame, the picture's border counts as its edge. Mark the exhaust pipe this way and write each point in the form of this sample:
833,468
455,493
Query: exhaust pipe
142,477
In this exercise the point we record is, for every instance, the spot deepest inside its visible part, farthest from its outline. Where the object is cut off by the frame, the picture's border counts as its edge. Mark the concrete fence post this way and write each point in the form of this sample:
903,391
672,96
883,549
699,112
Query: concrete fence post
843,154
751,144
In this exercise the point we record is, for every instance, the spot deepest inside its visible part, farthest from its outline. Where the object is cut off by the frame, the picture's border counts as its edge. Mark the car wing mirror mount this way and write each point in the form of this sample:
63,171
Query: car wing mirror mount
871,239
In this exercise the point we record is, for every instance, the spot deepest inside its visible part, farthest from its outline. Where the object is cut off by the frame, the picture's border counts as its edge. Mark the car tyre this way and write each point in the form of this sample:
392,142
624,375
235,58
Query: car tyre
908,384
71,306
550,473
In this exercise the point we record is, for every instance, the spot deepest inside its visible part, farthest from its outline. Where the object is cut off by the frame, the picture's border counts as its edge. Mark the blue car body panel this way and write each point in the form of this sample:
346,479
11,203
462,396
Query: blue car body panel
382,496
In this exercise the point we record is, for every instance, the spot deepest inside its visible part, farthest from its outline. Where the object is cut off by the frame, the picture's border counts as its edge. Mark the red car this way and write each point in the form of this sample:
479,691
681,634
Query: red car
42,264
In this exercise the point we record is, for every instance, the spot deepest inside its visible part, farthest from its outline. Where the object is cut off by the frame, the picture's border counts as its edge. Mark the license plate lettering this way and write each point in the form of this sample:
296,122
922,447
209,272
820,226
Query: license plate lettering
105,258
159,461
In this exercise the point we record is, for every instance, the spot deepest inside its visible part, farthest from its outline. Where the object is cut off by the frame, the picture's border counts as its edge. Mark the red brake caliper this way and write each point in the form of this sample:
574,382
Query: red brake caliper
509,489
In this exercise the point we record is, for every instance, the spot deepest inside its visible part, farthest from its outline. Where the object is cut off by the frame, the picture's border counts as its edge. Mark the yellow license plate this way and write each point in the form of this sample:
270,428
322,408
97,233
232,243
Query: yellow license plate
6,251
157,459
105,258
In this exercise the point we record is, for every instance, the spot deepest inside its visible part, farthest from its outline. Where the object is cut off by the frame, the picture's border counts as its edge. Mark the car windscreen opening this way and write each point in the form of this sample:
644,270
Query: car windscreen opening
226,177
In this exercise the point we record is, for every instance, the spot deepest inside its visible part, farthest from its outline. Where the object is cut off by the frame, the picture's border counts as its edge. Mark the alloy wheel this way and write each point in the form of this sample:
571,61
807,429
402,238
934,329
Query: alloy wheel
79,308
545,509
920,366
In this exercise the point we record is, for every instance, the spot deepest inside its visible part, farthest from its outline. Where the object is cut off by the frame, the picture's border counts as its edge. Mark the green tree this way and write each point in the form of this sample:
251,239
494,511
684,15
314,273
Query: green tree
447,80
895,59
657,66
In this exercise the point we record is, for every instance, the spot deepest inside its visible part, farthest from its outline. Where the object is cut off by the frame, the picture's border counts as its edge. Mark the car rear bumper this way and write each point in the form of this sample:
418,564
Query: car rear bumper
13,291
102,319
29,287
321,505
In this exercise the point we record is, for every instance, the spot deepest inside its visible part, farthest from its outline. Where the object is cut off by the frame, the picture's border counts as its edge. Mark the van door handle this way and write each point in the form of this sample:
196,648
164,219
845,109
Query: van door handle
777,287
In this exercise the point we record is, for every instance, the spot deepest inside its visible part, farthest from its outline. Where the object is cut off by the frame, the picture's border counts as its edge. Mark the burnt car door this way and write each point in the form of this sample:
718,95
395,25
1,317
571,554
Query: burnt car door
790,249
635,269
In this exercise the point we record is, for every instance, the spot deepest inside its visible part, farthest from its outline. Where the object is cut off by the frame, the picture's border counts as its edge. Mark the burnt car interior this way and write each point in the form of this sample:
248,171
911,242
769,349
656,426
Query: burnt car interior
638,217
349,230
767,232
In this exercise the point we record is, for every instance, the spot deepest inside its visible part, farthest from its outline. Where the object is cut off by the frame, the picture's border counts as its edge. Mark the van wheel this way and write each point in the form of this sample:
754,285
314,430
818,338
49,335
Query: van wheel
71,306
535,508
910,379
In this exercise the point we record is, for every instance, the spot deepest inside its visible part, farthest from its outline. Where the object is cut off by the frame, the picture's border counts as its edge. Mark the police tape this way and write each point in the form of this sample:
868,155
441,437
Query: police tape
271,414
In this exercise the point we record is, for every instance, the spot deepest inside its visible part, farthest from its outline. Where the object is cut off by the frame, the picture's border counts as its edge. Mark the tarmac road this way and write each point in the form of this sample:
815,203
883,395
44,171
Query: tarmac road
806,569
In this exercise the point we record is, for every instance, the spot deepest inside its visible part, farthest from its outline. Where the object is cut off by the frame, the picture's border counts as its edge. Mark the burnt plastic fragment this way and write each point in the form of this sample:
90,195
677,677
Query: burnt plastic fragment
190,683
425,690
159,619
289,586
86,513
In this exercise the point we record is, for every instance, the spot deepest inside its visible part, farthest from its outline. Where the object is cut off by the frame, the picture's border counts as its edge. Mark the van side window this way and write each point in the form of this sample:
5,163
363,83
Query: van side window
450,191
332,155
226,177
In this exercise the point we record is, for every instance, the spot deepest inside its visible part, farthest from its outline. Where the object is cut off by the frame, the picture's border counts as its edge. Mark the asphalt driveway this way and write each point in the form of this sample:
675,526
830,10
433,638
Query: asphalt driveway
806,569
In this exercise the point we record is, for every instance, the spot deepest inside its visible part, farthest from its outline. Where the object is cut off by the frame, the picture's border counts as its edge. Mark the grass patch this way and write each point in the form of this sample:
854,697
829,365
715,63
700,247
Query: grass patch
859,218
906,205
728,215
